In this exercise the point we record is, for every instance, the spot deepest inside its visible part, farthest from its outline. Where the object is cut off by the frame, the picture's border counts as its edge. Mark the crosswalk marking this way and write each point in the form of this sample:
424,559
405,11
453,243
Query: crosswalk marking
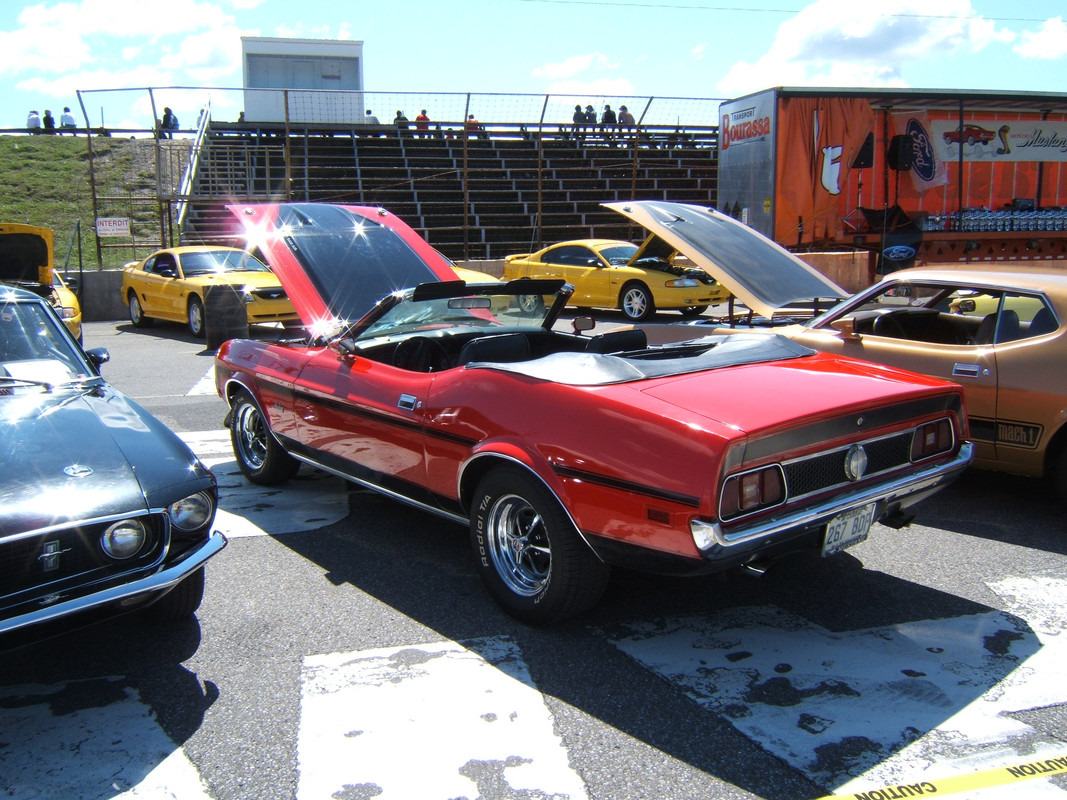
432,721
884,706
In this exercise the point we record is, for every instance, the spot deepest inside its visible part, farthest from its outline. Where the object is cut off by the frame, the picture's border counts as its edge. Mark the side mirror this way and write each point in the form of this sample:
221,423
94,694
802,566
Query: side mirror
846,327
583,324
98,356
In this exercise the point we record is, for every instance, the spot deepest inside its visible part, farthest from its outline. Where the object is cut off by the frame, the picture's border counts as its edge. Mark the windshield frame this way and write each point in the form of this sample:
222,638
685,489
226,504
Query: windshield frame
390,315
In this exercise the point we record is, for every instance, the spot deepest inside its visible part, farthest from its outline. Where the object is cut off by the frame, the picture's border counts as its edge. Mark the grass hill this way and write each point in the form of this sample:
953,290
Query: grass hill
44,180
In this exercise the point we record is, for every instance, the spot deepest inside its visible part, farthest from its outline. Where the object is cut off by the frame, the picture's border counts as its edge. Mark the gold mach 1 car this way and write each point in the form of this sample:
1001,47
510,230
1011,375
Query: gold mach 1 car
995,329
567,453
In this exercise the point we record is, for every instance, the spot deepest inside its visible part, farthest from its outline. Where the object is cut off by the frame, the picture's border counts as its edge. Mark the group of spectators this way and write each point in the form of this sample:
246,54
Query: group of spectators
609,125
35,123
471,126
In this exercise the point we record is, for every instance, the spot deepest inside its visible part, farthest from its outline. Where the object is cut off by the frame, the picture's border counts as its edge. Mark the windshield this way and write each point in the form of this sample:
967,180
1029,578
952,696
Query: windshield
204,262
34,348
618,254
516,306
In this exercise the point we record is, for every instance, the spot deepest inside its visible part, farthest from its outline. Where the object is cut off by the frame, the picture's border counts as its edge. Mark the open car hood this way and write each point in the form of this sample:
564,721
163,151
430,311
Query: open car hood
337,262
25,254
761,274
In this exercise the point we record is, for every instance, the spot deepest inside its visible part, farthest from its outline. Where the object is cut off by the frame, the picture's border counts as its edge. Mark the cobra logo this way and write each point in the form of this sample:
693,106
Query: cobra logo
899,252
922,159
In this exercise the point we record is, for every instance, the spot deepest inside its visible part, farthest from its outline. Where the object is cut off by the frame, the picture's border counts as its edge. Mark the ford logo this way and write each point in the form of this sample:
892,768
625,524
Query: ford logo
899,252
78,471
923,161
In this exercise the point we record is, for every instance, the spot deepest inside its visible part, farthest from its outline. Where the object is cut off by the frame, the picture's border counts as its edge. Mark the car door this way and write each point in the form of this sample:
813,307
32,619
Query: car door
581,267
152,283
365,418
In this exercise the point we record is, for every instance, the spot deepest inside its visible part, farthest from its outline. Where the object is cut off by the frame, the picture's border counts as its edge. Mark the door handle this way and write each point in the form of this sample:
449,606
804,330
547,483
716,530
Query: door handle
965,370
407,402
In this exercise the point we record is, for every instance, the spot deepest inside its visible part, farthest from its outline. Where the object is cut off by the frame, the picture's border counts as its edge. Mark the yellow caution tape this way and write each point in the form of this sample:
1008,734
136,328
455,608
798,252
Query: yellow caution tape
1045,768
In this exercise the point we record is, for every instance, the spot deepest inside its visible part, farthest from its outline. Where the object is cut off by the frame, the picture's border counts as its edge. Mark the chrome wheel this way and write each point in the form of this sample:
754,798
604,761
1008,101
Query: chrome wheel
137,316
518,545
196,317
250,436
259,455
636,302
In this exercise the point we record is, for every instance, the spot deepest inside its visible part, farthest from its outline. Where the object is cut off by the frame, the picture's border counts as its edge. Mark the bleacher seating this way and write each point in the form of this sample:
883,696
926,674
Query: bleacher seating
480,198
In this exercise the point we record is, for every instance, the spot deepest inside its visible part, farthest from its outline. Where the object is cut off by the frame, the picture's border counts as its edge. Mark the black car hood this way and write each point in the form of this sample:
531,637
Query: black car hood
764,276
79,454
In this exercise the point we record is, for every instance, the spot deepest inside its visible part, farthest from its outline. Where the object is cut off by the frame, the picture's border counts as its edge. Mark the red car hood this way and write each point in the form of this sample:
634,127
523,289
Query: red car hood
336,262
761,274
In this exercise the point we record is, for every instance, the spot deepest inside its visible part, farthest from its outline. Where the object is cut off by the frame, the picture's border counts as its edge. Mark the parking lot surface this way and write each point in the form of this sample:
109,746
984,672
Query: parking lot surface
346,649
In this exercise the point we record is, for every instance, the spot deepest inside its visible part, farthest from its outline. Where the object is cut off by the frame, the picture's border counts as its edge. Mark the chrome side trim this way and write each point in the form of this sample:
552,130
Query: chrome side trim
710,536
164,579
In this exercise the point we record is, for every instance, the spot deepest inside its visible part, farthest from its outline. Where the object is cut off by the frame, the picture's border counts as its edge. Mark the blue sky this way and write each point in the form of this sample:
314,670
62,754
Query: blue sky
681,48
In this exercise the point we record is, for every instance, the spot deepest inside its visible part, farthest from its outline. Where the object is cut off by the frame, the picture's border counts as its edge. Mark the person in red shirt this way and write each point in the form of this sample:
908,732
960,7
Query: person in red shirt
422,124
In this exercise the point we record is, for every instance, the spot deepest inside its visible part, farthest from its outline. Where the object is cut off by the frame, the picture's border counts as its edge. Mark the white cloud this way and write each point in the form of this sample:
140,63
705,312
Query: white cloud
575,65
841,43
1048,42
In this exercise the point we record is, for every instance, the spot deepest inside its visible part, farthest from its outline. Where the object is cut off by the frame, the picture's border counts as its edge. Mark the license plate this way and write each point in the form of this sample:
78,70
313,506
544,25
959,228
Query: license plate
848,529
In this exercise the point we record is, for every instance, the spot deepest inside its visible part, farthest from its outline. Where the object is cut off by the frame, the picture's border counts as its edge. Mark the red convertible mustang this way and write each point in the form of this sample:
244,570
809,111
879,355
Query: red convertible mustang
567,453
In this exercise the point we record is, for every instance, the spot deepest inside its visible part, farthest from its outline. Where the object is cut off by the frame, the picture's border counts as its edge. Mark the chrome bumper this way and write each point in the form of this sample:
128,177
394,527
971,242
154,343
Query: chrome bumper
166,578
711,539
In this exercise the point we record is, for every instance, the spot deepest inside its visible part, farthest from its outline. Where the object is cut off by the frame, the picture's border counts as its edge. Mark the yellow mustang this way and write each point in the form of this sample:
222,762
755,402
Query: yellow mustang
636,280
170,284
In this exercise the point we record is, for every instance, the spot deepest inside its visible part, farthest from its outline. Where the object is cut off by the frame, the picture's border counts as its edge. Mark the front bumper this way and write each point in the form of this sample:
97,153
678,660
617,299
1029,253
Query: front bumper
896,494
167,577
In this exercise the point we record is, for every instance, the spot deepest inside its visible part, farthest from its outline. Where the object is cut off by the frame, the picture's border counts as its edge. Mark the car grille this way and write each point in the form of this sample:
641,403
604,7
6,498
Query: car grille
807,476
54,562
269,293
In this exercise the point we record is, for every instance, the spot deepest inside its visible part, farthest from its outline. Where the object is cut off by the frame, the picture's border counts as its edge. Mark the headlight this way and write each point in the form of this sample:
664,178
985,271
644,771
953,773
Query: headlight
124,539
682,283
191,512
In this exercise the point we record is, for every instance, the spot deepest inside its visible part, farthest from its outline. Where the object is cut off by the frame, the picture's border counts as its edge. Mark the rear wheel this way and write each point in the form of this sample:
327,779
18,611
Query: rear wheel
262,460
137,316
636,302
528,553
195,315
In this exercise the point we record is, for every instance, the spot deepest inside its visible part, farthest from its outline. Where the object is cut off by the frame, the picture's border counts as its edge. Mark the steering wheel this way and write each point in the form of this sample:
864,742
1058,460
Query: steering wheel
421,354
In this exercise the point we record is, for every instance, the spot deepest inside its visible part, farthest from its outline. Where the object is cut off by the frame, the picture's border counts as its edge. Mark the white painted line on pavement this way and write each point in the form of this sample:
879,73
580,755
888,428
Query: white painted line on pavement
432,721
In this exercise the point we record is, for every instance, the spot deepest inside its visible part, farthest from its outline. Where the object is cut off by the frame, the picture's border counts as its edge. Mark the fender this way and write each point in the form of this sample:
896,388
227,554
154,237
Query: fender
487,452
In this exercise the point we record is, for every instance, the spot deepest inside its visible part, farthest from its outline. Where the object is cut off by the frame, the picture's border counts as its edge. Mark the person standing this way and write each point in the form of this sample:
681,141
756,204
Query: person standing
578,118
33,122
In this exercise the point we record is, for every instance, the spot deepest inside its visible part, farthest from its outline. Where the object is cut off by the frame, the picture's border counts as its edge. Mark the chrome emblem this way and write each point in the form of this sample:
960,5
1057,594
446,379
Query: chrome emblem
49,557
855,462
78,471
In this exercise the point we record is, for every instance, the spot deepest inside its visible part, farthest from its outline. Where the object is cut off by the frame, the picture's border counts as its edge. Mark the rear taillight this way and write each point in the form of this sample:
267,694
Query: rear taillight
752,491
932,438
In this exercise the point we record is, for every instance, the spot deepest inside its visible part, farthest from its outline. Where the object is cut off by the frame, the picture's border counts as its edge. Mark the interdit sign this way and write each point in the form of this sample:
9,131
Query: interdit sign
112,226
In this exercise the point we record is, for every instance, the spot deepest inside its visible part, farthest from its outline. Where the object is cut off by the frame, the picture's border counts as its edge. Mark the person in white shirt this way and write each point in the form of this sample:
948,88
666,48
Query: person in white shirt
33,122
66,121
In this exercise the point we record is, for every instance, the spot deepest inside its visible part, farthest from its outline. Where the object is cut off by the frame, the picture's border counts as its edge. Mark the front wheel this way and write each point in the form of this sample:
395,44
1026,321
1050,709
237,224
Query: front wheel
195,315
262,460
636,302
181,602
137,316
528,553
